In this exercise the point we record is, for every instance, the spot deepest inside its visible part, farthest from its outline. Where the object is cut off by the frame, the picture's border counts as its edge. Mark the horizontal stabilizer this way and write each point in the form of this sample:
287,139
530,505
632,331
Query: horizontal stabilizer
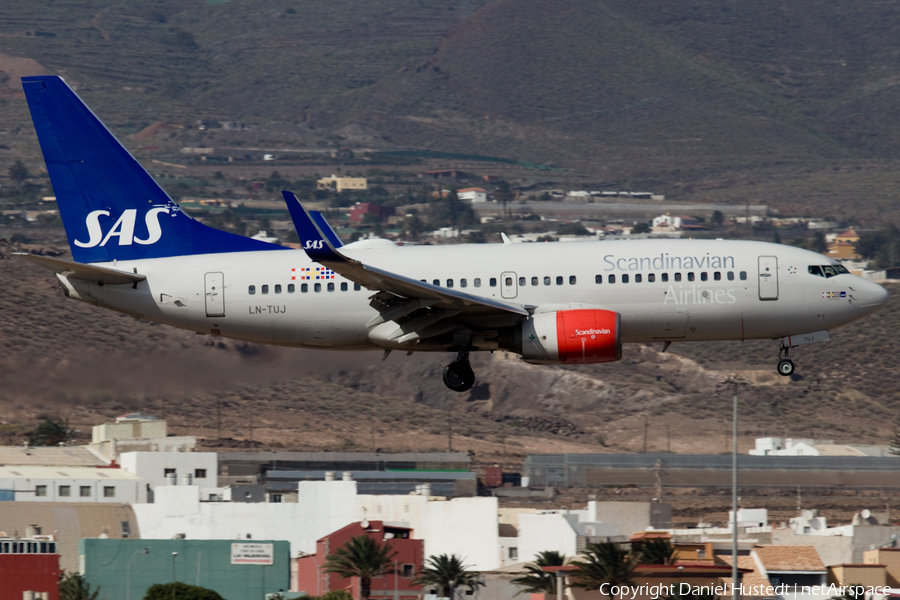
91,273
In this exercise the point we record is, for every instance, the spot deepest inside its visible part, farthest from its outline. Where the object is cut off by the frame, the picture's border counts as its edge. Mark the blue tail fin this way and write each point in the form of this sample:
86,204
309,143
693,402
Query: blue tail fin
111,207
326,228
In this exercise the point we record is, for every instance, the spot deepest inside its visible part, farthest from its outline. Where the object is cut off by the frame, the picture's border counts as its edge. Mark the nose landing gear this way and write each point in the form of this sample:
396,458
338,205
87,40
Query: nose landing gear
458,375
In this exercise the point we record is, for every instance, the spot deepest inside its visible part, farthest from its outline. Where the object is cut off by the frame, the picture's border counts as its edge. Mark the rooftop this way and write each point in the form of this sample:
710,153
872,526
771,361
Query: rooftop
790,558
69,472
64,456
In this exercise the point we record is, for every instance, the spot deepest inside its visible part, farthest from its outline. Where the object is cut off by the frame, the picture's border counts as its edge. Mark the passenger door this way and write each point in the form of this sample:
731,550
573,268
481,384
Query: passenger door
768,278
215,294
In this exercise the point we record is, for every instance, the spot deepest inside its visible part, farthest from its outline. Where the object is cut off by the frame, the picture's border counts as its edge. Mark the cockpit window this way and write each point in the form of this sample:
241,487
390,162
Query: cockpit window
827,271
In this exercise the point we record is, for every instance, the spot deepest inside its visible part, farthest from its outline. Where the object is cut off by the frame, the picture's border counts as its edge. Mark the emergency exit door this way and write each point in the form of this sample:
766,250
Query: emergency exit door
768,278
508,286
215,294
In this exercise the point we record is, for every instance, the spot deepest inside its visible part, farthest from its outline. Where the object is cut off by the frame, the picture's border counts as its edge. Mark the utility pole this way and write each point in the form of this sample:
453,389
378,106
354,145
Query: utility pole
646,425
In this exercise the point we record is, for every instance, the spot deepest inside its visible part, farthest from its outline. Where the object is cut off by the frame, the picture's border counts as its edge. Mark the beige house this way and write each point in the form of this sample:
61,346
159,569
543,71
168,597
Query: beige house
890,559
339,184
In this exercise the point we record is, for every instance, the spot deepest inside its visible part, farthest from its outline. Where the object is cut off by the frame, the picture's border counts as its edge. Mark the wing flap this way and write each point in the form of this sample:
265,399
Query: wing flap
91,273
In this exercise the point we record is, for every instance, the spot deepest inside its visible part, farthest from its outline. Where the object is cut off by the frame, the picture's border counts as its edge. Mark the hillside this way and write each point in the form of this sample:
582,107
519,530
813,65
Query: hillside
778,104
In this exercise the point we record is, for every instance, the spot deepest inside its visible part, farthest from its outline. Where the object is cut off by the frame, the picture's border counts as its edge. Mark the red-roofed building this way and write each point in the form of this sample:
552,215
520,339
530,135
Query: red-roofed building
29,565
410,556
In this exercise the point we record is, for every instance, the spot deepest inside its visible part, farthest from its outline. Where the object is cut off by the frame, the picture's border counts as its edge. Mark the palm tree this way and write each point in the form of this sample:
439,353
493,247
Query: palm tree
447,573
605,562
73,586
655,551
534,580
51,432
361,557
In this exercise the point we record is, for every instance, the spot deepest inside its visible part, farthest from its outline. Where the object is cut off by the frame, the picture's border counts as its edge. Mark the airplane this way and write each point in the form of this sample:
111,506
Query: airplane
136,252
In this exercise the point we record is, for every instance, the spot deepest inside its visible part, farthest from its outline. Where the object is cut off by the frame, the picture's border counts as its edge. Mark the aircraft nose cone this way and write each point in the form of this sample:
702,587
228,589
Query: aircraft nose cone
872,297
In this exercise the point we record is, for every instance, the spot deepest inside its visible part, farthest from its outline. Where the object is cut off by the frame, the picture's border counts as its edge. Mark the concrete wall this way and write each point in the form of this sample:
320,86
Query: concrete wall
122,571
546,532
631,517
151,466
52,484
128,429
832,549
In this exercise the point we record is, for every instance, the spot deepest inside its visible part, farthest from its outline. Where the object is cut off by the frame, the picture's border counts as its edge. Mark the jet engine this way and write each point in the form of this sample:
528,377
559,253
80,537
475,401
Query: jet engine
569,337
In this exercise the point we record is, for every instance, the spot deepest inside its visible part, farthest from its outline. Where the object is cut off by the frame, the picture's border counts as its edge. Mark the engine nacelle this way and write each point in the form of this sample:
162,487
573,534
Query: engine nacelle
569,337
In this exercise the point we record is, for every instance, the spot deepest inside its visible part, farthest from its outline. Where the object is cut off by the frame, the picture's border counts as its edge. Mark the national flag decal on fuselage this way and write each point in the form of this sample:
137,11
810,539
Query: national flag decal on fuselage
307,273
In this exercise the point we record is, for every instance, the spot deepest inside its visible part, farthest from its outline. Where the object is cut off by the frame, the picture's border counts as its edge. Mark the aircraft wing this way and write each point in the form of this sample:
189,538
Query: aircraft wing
73,270
319,248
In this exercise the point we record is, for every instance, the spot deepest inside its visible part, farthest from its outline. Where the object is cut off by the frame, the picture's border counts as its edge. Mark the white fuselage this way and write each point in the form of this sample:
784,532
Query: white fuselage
665,290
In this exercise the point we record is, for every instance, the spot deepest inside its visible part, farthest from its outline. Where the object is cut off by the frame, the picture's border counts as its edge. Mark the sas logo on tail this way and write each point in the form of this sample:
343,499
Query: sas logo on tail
123,228
314,245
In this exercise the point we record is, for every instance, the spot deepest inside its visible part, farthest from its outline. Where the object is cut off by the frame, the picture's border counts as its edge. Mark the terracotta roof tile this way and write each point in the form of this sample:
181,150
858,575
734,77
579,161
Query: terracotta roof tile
789,558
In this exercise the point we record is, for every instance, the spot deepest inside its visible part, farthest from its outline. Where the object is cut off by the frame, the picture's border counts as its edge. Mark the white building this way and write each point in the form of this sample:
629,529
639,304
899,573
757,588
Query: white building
465,526
750,517
170,468
70,484
474,195
136,432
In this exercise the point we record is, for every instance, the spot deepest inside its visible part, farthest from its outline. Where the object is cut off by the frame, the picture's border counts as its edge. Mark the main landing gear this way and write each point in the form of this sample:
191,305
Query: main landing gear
785,364
458,375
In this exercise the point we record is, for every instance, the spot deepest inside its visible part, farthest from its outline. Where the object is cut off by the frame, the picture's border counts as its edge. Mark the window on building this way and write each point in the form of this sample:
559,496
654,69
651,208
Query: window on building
277,288
40,490
291,288
265,289
84,491
513,553
126,529
167,472
199,473
408,571
109,491
65,491
276,498
251,290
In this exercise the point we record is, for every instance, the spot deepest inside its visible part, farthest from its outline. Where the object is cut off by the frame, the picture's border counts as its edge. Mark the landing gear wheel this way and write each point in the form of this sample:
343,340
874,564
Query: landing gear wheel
458,375
786,367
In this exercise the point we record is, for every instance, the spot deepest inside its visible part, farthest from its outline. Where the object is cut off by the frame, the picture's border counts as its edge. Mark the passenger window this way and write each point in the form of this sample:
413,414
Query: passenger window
677,276
665,277
509,281
522,281
277,288
611,279
559,280
449,283
356,287
651,277
534,281
743,275
291,288
493,282
624,277
637,278
546,281
730,275
598,278
252,289
717,276
704,276
572,280
317,287
476,282
265,289
463,283
691,276
304,287
436,282
344,286
330,287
